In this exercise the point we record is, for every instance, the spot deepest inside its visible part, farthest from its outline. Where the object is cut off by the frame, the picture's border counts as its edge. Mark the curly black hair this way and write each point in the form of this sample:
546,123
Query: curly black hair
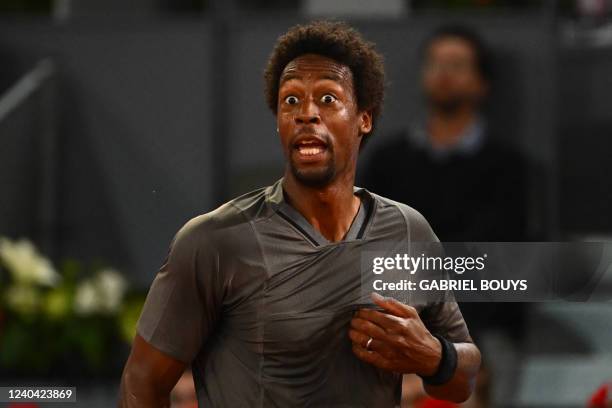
340,42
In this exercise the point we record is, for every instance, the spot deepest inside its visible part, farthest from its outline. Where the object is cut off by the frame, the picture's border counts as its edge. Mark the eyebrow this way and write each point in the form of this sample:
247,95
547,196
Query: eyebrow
289,76
330,76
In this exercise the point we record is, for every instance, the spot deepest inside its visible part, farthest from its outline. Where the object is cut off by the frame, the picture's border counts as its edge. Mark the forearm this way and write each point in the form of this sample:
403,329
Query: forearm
137,392
461,385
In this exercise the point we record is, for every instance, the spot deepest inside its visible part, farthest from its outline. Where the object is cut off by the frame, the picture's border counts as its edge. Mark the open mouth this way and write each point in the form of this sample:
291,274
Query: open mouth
310,147
310,150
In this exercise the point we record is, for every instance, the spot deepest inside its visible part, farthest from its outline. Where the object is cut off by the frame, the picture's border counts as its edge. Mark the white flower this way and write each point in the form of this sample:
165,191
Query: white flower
86,299
102,294
111,287
25,264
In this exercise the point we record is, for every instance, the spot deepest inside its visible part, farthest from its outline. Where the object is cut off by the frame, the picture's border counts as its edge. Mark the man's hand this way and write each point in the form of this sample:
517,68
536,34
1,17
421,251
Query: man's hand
400,341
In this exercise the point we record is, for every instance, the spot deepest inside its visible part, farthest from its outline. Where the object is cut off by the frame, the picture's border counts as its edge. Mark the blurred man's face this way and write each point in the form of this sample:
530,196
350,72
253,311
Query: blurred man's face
318,119
451,79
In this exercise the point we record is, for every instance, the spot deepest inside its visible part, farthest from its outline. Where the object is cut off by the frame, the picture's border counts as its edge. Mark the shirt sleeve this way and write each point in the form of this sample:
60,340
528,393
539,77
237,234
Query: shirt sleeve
185,297
441,316
445,319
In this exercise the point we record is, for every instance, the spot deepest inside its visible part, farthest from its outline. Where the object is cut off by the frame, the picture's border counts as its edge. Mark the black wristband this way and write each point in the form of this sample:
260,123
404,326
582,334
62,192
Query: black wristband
448,364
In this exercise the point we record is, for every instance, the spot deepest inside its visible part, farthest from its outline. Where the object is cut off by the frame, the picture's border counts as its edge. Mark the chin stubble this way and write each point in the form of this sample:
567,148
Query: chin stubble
314,179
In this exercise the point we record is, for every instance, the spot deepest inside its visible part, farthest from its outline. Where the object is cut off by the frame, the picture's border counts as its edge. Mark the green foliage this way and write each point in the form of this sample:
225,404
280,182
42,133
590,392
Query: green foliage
74,318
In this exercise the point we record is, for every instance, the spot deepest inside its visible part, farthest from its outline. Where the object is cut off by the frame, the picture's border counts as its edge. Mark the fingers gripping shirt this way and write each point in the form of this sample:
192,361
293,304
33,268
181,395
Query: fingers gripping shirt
260,304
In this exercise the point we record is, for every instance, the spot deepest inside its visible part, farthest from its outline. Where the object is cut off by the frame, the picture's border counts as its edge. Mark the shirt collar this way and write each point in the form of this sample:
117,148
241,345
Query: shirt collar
468,143
276,197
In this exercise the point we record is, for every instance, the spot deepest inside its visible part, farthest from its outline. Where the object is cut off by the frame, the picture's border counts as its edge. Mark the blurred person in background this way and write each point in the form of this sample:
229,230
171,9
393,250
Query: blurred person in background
470,185
456,172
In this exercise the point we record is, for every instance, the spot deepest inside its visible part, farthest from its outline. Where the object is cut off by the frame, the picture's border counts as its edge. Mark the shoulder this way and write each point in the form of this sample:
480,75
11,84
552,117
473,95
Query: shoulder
394,143
417,226
229,219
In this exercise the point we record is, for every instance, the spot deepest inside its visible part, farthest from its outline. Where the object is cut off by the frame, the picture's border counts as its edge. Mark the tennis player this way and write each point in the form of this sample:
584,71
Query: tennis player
262,296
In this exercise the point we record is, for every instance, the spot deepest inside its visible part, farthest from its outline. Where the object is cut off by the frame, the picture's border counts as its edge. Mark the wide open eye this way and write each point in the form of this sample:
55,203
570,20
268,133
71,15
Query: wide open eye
327,98
291,100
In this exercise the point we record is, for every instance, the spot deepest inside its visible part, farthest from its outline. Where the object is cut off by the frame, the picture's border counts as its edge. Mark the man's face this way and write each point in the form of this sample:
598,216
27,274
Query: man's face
318,120
450,76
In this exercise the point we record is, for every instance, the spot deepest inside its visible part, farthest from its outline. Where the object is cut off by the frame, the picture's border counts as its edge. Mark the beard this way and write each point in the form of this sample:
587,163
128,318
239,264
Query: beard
451,104
316,178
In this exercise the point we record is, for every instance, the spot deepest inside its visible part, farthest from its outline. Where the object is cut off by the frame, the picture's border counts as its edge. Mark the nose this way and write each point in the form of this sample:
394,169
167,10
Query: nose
308,113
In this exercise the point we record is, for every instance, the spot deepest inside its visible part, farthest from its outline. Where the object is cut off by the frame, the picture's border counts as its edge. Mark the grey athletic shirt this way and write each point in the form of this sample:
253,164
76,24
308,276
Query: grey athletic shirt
260,303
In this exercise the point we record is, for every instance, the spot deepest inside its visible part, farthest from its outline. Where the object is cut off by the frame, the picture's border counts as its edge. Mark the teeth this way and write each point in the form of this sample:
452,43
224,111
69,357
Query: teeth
310,151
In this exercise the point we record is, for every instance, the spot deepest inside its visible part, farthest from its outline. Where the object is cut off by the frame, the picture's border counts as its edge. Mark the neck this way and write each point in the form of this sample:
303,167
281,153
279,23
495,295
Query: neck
445,129
330,209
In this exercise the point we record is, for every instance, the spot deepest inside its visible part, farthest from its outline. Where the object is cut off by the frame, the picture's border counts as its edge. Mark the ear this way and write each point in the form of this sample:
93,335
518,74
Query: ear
365,122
